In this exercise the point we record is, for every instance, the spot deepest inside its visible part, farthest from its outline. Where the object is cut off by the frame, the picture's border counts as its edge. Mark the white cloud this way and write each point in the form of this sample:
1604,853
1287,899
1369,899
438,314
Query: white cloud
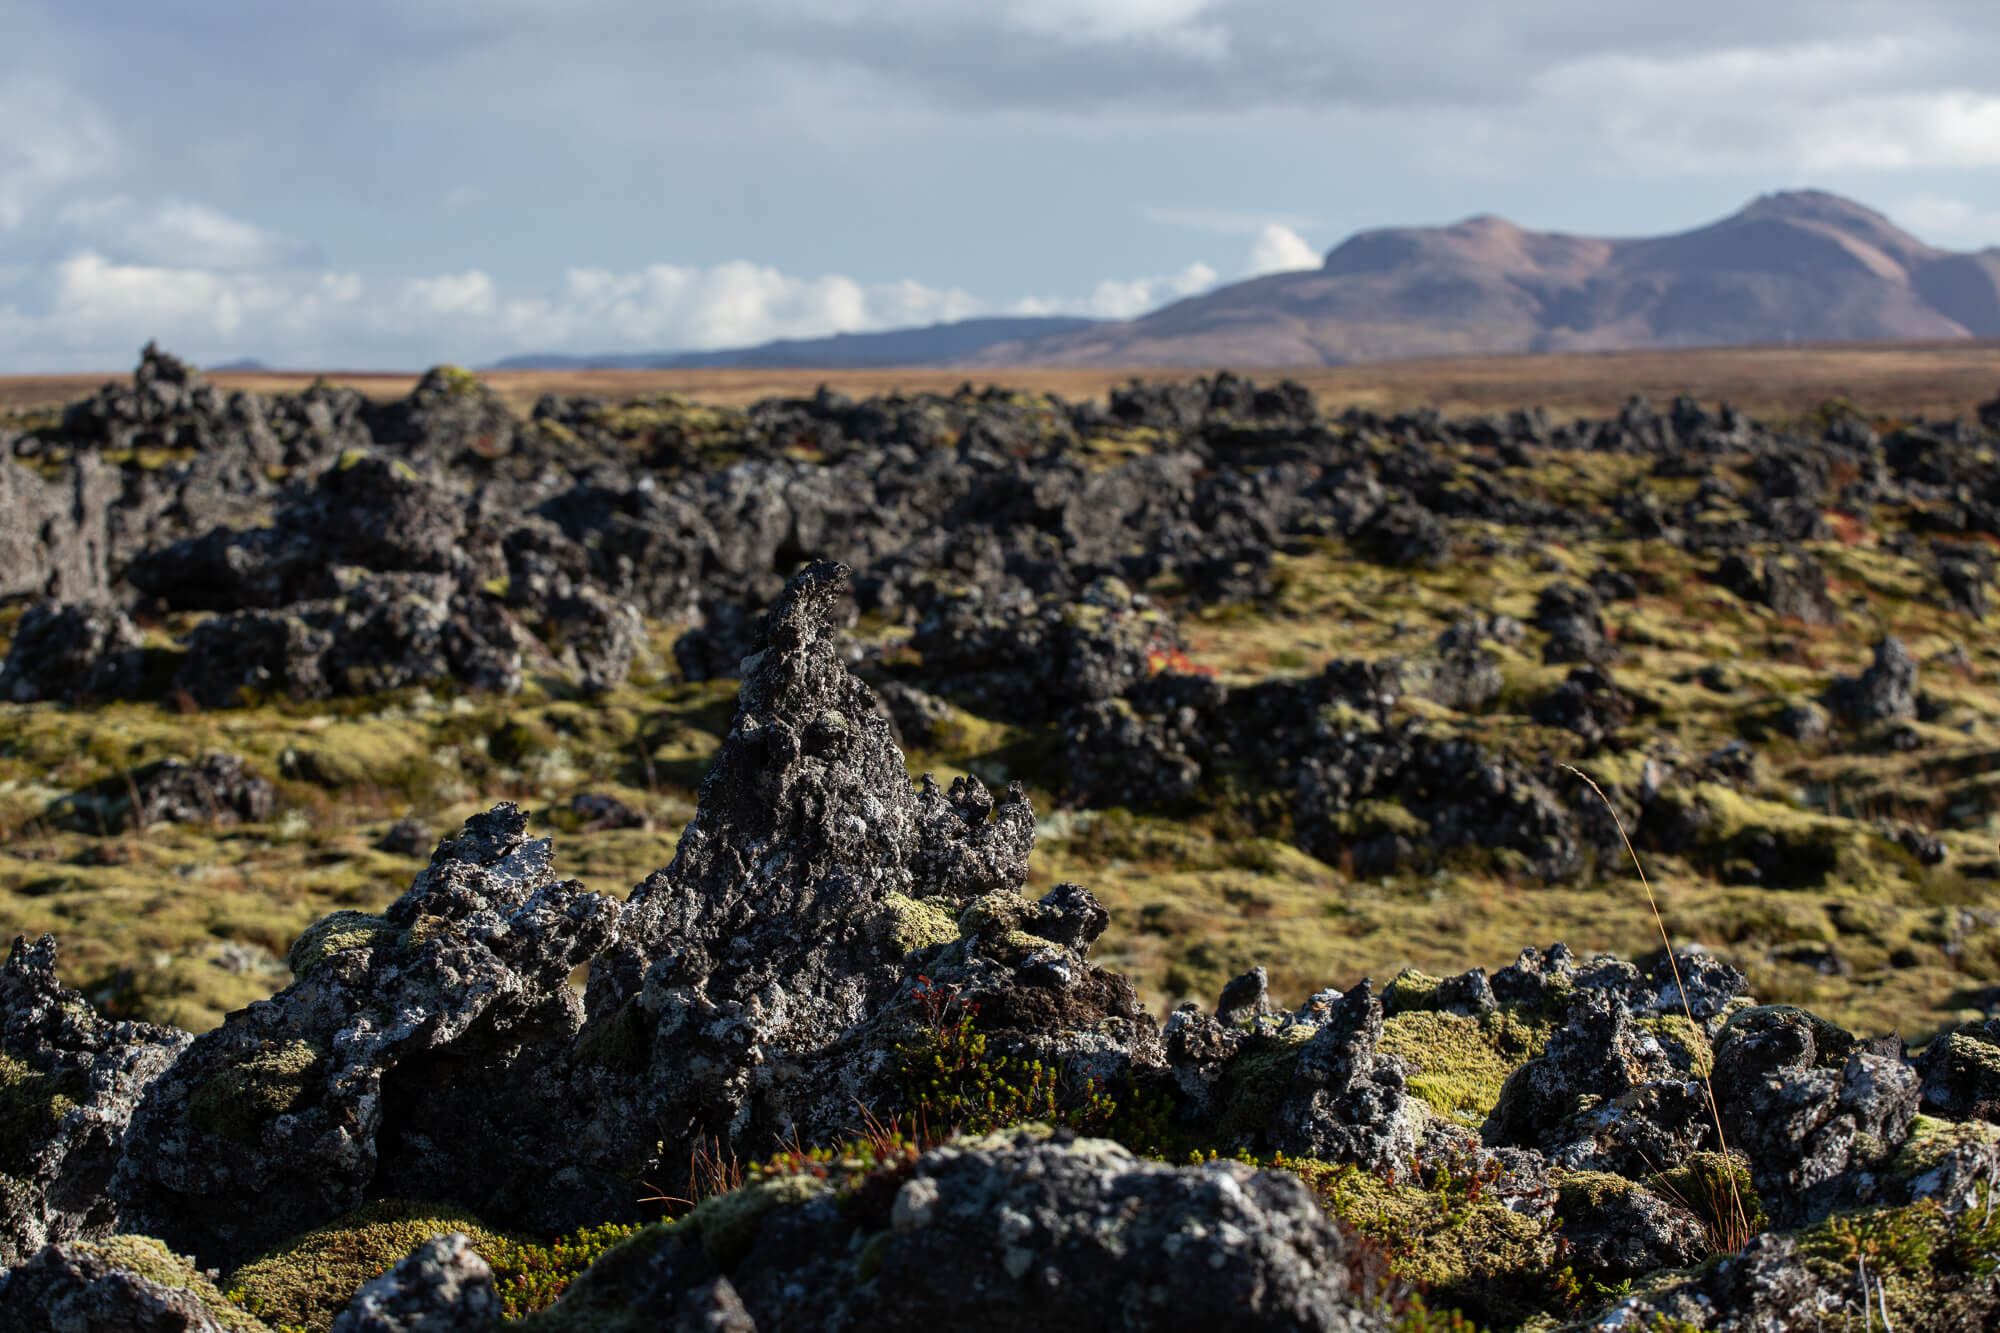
1116,298
173,234
1817,106
451,295
1948,222
185,233
53,138
98,303
729,305
1279,249
100,309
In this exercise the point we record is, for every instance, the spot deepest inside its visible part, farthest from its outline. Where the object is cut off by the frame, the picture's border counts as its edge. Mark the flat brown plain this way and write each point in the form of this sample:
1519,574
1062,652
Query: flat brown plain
1929,379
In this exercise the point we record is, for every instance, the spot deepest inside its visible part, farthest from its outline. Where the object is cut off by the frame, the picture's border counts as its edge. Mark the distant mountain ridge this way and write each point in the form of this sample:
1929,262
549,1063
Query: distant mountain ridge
1798,266
937,344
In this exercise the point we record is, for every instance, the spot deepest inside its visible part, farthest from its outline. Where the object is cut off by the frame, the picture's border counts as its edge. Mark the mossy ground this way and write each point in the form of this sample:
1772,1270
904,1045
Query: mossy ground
183,923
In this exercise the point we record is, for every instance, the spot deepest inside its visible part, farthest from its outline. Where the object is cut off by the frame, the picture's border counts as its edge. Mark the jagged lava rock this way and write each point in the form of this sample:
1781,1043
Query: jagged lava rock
444,1286
763,982
69,1082
71,651
126,1284
386,1060
1010,1231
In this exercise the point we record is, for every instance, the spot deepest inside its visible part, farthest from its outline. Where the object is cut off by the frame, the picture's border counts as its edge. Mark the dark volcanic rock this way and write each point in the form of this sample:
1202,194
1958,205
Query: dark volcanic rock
69,1081
73,651
449,413
386,1054
1961,1073
53,534
215,790
1587,703
445,1286
1809,1105
1008,1231
1570,614
255,653
1017,657
1791,584
1886,691
762,982
124,1284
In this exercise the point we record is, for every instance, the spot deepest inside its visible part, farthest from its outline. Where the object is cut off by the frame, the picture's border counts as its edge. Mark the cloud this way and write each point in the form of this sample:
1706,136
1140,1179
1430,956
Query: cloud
53,138
1859,104
1116,298
1948,222
1279,249
99,309
728,305
453,295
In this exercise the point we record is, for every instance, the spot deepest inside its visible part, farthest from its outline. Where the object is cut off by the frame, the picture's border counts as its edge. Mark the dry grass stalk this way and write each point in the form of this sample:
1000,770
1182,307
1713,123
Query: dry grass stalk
1730,1231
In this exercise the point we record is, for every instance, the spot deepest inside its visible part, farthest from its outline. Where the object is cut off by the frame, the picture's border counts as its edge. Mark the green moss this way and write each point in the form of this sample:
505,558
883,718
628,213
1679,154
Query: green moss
1716,1188
337,932
309,1279
1410,989
1578,1191
458,381
152,1260
1462,1063
918,924
1463,1248
32,1104
236,1101
1254,1084
1685,1043
727,1224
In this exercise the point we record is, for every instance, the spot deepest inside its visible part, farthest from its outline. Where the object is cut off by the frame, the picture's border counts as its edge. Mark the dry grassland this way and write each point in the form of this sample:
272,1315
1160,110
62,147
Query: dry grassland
1931,379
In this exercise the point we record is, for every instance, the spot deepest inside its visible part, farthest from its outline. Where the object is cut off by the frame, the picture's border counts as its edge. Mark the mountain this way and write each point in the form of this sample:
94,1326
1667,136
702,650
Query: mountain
1801,266
939,344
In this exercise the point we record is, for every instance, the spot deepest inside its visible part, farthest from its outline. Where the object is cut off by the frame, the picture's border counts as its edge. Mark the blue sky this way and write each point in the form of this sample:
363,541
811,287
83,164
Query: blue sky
392,183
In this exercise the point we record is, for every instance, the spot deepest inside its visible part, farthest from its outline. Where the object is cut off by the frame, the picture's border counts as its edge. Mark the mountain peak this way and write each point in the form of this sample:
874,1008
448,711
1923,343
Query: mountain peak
1792,266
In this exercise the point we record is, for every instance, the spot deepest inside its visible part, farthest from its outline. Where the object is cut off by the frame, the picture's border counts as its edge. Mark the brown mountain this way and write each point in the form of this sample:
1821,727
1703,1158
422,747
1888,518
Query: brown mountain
1802,266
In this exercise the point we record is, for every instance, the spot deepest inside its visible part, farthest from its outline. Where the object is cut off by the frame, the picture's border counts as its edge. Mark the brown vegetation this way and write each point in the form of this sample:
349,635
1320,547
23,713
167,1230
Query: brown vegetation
1931,379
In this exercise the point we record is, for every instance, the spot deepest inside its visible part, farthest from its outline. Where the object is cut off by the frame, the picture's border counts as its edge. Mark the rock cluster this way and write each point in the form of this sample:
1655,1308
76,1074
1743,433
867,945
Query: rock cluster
828,945
341,547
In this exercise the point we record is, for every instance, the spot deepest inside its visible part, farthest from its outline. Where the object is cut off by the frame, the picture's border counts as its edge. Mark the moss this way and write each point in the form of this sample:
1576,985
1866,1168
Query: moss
309,1279
1254,1084
1931,1141
1465,1251
918,924
1410,989
458,381
1463,1063
1716,1188
337,932
1686,1044
1578,1191
727,1224
32,1105
236,1101
152,1260
994,914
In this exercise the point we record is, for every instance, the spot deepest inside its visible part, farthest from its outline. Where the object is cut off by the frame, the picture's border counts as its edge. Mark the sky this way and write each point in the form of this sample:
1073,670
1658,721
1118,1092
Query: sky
396,183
